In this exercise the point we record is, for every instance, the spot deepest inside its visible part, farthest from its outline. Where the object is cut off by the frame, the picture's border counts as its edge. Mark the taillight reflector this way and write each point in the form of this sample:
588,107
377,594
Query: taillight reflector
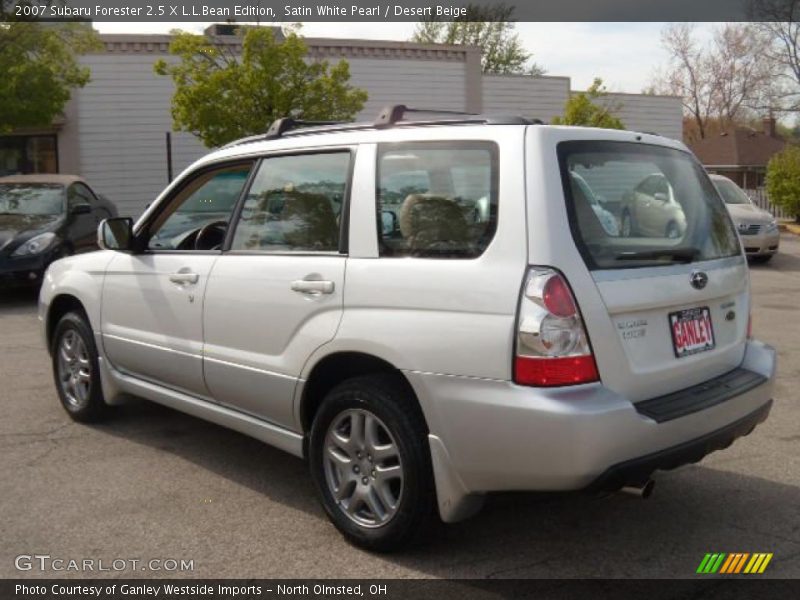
557,297
551,372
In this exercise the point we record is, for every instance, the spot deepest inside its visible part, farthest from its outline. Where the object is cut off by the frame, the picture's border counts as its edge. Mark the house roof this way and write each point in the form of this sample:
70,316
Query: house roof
739,146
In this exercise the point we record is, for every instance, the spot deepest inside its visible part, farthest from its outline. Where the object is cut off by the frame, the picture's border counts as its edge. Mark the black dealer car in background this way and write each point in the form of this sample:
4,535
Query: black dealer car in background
44,218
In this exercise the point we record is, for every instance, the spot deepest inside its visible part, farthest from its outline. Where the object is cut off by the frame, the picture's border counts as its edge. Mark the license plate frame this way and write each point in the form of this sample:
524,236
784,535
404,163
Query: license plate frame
692,331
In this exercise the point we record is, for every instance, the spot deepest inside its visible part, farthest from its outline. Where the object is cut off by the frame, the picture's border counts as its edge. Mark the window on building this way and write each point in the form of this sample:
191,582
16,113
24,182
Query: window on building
21,154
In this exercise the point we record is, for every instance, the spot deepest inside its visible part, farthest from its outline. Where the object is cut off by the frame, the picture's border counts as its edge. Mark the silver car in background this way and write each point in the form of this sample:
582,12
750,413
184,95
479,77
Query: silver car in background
757,227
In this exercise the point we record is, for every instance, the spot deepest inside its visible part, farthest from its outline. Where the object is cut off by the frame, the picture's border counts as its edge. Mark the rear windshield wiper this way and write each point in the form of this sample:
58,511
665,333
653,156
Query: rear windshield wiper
678,255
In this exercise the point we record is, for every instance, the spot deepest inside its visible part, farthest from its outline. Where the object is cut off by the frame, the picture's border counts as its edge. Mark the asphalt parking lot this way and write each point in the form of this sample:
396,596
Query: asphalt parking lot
155,484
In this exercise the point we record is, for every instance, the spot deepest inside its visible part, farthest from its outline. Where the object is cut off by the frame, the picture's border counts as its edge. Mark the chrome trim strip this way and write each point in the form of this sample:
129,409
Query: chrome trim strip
200,356
667,270
149,345
249,368
281,438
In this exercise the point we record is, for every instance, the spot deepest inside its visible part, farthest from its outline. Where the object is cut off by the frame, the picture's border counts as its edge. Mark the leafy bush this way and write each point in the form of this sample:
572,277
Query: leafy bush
783,180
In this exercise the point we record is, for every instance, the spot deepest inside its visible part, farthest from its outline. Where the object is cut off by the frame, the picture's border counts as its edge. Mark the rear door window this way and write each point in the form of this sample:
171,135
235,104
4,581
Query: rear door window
436,199
664,208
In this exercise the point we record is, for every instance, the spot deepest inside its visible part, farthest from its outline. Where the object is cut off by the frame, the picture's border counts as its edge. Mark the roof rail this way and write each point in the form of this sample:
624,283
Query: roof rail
389,116
395,113
281,126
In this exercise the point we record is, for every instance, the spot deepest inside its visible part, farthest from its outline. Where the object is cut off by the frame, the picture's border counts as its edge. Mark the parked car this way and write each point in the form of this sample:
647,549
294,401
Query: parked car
44,218
651,209
529,350
607,220
757,228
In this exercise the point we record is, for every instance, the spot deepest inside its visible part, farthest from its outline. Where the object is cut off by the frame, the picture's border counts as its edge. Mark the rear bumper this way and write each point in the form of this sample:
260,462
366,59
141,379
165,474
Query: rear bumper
489,435
639,469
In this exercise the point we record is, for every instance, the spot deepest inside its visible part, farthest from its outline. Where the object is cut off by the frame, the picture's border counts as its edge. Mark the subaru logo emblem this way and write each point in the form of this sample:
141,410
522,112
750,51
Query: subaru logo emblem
698,279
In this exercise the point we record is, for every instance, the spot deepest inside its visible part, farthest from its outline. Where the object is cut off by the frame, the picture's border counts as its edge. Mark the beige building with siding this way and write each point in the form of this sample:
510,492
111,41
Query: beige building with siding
113,131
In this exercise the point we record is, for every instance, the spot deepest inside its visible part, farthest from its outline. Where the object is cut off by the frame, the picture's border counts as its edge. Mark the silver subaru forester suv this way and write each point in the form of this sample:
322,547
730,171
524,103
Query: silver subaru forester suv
427,308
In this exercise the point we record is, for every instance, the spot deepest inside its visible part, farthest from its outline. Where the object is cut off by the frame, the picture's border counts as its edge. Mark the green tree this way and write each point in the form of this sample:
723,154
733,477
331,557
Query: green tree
588,109
39,68
783,180
221,96
490,28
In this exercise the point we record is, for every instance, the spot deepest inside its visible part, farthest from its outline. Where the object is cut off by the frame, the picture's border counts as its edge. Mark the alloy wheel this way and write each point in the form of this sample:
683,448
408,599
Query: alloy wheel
74,369
363,469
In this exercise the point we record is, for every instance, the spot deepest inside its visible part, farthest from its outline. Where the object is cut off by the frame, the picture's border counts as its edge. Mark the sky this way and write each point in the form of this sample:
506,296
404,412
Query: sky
625,55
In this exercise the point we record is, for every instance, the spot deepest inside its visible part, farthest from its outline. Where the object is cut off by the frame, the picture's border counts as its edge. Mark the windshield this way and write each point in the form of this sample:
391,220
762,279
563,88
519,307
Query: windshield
730,192
31,199
666,209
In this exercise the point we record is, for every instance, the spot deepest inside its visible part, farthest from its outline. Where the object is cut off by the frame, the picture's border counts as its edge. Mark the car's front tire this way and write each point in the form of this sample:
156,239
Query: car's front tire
76,370
370,461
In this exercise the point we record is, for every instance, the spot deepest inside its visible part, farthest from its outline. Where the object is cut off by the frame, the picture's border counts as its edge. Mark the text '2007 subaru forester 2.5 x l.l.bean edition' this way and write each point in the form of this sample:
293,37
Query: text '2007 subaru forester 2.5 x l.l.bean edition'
427,309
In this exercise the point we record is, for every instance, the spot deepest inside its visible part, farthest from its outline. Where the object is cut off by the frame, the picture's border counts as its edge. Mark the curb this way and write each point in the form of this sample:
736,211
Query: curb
790,227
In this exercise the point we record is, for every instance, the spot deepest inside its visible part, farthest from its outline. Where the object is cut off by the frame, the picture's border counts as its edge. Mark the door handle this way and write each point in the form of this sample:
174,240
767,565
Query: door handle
313,287
184,278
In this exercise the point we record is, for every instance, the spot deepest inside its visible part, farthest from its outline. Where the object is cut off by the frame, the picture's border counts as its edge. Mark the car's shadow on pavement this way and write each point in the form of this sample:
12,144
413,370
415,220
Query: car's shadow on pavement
779,262
694,510
18,299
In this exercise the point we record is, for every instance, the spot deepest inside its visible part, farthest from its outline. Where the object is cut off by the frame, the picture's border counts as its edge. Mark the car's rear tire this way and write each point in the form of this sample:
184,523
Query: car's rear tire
370,461
76,369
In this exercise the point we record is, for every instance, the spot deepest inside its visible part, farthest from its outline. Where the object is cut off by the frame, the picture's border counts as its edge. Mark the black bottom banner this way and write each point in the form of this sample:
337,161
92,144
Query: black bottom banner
251,589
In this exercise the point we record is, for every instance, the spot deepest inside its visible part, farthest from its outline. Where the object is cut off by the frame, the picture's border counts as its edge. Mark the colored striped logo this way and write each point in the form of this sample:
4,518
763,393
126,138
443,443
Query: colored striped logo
733,563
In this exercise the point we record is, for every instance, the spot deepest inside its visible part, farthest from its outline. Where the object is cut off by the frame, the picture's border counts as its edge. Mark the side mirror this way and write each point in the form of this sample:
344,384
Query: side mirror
661,197
80,209
116,234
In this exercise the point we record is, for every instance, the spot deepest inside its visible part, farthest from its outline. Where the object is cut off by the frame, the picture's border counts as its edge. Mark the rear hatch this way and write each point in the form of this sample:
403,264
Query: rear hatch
671,278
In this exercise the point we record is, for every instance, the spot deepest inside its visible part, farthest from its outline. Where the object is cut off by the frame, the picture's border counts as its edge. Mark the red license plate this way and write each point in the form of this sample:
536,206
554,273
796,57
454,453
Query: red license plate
692,331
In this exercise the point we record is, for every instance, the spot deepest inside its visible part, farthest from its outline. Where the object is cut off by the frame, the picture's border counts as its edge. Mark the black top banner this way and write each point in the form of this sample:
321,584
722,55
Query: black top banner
397,10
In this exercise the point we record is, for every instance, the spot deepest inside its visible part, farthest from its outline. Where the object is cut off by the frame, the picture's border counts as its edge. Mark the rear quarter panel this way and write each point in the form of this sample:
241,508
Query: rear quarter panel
444,316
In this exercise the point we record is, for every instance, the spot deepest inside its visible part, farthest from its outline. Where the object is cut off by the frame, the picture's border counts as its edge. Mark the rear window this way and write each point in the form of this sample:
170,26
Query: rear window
634,205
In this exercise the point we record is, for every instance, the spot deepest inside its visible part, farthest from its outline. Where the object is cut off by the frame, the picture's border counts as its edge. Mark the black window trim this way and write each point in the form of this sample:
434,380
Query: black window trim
344,219
443,144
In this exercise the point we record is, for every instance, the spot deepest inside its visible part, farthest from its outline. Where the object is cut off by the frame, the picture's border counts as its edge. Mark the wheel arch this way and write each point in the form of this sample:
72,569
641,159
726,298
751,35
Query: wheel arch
60,305
332,369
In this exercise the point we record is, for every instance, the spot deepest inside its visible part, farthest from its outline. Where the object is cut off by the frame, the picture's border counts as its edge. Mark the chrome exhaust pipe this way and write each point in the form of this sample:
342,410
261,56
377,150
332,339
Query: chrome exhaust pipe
641,490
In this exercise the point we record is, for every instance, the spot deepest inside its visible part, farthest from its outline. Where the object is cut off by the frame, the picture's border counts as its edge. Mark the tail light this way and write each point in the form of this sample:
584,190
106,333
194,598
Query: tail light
552,345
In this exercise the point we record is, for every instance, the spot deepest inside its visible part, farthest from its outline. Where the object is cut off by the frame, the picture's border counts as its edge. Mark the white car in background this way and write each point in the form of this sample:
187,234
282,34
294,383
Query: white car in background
757,228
